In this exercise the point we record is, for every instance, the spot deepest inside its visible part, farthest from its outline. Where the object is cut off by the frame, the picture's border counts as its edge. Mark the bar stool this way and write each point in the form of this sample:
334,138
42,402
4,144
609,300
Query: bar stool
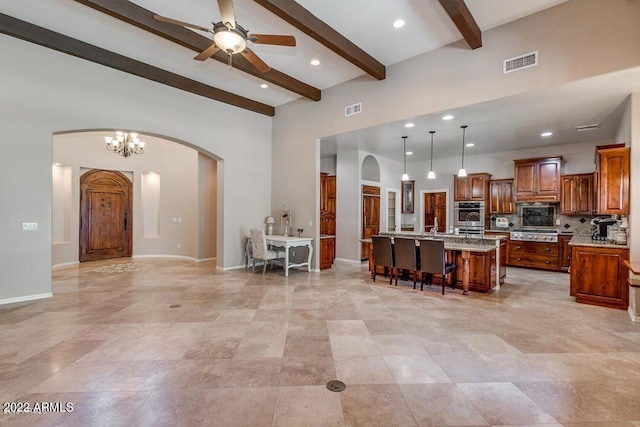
432,261
406,256
382,255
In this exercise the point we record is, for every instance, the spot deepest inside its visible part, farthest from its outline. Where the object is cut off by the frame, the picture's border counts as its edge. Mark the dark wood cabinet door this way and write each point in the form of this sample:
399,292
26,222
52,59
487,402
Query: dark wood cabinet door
548,185
577,194
567,197
524,181
370,220
461,189
613,171
477,186
323,191
331,186
599,277
537,179
501,196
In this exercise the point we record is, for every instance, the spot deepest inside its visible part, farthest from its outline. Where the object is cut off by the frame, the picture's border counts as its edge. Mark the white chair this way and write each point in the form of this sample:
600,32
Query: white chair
261,251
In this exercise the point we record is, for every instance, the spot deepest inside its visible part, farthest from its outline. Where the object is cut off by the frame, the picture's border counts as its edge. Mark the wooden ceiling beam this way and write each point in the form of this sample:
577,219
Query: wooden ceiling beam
463,19
142,18
305,21
41,36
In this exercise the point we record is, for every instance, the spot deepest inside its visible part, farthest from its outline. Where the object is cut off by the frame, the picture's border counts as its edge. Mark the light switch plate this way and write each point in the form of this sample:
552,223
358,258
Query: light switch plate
29,226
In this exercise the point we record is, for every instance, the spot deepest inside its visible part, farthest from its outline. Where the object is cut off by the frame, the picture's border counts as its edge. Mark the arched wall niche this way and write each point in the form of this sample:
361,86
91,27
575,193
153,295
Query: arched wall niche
370,169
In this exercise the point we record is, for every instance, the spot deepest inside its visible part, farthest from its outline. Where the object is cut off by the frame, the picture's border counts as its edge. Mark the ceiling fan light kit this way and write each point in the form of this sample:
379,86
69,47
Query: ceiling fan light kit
232,38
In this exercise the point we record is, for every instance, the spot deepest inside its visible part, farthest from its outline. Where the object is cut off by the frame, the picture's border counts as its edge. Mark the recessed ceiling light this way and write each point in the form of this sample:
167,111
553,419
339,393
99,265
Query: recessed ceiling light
470,144
264,85
447,117
409,125
315,62
545,134
409,153
398,23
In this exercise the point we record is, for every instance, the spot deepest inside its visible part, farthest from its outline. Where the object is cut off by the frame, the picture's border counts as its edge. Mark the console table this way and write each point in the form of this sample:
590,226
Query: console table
287,242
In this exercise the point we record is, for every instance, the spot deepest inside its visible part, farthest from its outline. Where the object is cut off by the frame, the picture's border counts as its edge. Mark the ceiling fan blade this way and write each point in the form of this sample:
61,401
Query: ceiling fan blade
255,60
273,39
207,53
181,23
227,15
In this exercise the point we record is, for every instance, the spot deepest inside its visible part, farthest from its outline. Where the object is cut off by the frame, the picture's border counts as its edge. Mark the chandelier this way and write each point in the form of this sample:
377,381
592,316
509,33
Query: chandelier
125,144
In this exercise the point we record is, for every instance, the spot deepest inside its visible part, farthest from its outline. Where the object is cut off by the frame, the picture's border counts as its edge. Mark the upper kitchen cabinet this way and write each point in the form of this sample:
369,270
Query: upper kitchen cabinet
537,180
577,195
501,196
475,186
612,172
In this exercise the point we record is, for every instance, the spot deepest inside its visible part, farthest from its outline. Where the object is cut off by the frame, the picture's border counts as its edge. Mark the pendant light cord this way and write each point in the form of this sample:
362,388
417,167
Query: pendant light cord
432,132
404,152
464,128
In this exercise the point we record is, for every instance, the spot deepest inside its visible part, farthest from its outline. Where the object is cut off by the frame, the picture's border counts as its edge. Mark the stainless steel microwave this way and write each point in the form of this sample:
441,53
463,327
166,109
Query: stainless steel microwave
468,214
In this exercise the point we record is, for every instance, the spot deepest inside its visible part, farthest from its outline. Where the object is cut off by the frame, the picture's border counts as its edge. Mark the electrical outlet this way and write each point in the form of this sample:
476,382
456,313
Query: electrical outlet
29,226
310,223
179,245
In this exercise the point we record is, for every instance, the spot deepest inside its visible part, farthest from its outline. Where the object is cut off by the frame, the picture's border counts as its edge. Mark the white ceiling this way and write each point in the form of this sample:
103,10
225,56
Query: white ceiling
368,23
506,124
503,125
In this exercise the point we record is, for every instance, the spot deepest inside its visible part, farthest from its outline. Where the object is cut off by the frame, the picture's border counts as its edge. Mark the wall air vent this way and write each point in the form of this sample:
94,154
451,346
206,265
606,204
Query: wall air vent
353,109
520,62
588,127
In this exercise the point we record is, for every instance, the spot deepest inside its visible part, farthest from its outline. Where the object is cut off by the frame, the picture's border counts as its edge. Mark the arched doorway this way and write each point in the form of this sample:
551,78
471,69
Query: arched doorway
105,215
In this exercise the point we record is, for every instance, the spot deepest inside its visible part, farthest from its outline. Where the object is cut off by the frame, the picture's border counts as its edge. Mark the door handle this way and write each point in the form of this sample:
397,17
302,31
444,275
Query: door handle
125,220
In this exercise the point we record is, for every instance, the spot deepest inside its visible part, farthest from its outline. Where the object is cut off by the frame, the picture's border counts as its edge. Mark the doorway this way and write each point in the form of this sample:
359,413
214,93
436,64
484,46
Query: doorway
435,208
105,215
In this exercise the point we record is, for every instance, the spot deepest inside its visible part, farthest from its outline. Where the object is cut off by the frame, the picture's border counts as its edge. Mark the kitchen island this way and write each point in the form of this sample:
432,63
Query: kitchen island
599,273
477,259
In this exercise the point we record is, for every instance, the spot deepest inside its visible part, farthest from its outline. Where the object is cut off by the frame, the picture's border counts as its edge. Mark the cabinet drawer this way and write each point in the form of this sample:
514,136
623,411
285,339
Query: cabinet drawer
534,255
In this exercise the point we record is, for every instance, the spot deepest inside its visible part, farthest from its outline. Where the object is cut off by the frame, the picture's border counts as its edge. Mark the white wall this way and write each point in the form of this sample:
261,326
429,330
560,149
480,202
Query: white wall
569,45
207,207
45,92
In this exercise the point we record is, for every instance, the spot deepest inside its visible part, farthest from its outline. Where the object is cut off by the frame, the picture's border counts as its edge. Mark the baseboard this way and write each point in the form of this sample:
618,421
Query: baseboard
65,264
25,298
206,259
349,261
235,267
633,316
166,256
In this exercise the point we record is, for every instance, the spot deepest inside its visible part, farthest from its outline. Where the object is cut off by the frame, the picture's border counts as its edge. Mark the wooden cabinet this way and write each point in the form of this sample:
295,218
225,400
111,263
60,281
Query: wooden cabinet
577,194
599,276
612,170
482,271
370,216
501,196
475,186
564,253
537,180
541,255
327,252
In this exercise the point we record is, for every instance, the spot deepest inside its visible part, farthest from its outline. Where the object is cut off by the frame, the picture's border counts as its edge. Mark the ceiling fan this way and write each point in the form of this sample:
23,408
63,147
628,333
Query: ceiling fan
232,38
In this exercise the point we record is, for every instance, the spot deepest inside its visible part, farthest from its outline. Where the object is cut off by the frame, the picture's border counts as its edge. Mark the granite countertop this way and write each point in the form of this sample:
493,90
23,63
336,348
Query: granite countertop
581,240
452,242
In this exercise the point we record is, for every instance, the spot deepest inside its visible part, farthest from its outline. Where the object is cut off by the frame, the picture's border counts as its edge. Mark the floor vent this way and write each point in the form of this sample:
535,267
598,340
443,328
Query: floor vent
588,127
353,109
520,62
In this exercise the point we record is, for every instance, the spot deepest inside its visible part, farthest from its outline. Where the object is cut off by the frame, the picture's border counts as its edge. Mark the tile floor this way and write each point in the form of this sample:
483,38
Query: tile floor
244,349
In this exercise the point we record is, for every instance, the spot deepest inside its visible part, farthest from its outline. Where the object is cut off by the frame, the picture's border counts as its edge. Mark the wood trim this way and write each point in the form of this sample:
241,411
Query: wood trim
41,36
305,21
142,18
463,19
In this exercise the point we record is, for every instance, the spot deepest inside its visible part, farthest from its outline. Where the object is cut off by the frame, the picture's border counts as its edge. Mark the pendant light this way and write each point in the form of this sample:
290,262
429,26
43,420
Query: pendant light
405,177
431,174
462,172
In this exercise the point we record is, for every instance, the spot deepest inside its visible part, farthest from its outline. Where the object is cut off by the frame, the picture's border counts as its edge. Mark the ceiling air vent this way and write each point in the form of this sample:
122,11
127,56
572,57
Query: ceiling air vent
520,62
353,109
588,127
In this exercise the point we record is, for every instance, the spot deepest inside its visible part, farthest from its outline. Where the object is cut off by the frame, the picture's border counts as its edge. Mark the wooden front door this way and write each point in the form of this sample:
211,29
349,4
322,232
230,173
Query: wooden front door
105,215
435,206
